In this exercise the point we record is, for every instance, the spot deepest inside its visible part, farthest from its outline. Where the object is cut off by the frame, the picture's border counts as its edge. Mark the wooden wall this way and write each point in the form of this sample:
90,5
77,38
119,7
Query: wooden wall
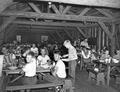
101,37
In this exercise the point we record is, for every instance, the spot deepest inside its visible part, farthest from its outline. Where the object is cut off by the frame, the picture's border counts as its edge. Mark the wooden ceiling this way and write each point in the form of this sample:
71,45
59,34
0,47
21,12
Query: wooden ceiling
60,13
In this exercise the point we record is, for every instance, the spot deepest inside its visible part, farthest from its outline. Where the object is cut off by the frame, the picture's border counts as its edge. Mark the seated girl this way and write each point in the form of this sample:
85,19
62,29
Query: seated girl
43,60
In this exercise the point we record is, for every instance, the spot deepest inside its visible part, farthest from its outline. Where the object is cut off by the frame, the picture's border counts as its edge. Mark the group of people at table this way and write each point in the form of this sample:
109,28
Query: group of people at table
31,59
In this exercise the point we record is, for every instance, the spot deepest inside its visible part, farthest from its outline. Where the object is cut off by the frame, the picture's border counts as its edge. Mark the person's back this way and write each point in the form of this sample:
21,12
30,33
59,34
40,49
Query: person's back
60,70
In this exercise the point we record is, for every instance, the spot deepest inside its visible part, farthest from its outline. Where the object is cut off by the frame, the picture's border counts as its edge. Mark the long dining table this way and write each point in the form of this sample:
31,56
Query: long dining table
110,67
17,71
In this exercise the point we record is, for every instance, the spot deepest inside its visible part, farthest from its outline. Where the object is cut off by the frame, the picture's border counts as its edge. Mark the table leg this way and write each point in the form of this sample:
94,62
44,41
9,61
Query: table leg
108,75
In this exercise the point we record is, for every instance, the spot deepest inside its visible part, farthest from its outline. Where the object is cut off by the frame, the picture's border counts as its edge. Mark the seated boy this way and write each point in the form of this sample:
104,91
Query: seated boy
59,69
30,69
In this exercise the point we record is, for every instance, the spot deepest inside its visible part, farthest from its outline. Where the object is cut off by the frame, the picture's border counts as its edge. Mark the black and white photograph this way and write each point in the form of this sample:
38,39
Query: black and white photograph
59,45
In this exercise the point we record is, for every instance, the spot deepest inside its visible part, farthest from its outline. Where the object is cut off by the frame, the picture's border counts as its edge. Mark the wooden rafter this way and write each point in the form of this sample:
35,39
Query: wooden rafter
34,7
100,3
55,9
66,31
84,11
59,24
53,36
81,32
4,4
59,35
105,29
56,16
104,13
7,22
66,9
61,8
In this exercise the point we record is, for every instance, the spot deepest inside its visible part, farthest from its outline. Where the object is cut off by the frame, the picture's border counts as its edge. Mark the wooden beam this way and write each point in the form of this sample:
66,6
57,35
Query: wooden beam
34,7
4,4
55,39
61,8
65,30
105,29
59,35
57,17
117,21
84,11
7,22
59,24
100,3
81,32
104,12
66,9
55,9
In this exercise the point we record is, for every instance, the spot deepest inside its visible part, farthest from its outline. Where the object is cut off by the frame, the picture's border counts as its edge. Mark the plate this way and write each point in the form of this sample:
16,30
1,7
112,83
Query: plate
12,68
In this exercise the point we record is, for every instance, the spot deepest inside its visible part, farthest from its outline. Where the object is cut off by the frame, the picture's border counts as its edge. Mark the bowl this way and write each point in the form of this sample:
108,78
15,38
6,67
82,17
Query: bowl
12,68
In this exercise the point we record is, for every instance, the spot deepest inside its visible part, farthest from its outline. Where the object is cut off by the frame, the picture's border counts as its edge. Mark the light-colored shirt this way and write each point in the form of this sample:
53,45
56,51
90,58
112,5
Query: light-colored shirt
30,68
72,54
35,50
60,69
43,60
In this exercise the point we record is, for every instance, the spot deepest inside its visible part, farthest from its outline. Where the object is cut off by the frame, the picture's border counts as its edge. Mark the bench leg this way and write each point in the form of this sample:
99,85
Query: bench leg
27,90
100,78
22,90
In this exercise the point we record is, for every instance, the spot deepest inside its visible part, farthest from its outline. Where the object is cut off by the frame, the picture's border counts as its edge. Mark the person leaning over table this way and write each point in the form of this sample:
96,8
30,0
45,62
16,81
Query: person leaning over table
72,57
29,69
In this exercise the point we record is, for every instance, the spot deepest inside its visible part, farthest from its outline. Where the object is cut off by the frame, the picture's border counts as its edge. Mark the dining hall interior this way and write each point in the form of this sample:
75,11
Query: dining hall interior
59,46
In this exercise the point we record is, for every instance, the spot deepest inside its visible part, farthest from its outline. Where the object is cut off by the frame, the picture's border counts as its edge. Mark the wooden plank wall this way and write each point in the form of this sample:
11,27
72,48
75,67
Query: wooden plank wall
100,35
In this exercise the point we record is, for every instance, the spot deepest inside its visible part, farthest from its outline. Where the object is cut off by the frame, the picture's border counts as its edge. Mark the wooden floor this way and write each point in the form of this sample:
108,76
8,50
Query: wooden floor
82,85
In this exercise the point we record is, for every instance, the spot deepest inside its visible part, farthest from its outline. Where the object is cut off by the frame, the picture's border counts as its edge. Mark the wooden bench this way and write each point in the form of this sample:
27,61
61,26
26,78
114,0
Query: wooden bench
98,76
41,84
68,86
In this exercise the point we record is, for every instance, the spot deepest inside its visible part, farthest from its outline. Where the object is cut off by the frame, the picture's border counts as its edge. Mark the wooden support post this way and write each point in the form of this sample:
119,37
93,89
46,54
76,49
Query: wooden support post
55,9
113,40
81,32
34,7
105,29
84,11
104,13
66,9
61,8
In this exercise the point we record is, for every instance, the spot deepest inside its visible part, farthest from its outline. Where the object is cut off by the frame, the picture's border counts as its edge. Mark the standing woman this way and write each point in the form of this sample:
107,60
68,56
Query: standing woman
72,57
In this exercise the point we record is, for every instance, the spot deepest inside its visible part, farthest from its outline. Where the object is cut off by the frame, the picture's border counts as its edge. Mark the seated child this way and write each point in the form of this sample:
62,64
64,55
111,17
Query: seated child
30,69
59,69
105,57
43,59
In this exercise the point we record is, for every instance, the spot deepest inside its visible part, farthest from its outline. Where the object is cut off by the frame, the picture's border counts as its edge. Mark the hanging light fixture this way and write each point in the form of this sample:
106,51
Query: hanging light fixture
50,4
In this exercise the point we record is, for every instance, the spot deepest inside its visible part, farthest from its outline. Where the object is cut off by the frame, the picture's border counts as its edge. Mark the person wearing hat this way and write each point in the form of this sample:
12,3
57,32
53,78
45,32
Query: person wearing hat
72,57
